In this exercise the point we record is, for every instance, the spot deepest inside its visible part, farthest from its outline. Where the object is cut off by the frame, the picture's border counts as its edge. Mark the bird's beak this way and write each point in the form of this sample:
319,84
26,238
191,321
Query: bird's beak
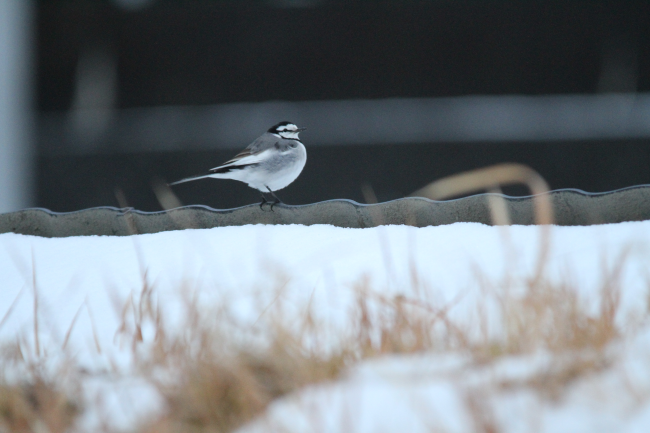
300,129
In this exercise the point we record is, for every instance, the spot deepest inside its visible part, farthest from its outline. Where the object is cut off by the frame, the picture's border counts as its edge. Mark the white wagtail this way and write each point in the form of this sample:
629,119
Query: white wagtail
268,164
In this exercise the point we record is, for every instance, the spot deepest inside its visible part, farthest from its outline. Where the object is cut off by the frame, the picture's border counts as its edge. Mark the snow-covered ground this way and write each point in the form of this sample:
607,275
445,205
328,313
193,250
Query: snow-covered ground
79,297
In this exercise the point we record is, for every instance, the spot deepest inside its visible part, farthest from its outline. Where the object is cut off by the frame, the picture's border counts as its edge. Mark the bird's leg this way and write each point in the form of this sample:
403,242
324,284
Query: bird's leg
264,201
277,200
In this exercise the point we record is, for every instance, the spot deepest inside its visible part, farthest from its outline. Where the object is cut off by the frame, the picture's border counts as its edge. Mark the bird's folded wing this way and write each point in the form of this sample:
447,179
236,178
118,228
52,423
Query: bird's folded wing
244,158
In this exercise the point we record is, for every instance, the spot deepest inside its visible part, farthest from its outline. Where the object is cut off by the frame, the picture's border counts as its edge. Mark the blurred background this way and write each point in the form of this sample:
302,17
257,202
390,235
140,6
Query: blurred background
99,96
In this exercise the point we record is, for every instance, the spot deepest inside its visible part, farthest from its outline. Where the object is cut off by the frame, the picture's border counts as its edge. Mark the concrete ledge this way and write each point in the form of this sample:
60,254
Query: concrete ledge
571,207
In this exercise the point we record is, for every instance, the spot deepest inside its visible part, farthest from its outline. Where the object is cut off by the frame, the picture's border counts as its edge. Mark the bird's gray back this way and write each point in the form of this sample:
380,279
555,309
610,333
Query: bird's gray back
259,145
263,142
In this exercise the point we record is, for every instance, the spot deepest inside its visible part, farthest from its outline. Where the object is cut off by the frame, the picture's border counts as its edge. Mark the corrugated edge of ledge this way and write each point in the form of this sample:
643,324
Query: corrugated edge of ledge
571,207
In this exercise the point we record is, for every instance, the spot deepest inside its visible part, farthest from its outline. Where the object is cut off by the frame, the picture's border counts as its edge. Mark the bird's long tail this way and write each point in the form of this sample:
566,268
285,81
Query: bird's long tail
188,179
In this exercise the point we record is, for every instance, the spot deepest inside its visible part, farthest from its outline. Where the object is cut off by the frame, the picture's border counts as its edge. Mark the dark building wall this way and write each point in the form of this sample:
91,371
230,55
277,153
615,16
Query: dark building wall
203,52
206,52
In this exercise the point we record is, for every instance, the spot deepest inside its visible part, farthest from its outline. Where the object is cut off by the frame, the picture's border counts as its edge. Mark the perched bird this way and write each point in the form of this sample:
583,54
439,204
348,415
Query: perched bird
268,164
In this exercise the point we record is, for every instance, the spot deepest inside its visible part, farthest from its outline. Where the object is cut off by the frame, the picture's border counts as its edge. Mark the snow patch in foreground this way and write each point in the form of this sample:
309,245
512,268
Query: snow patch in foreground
449,393
81,286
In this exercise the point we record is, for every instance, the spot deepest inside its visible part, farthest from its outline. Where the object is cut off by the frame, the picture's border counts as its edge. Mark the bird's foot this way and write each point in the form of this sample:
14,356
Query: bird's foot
264,201
275,201
270,203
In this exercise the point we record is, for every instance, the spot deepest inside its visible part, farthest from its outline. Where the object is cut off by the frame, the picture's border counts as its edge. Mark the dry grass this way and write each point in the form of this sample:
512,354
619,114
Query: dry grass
38,402
219,393
211,379
215,380
36,406
222,383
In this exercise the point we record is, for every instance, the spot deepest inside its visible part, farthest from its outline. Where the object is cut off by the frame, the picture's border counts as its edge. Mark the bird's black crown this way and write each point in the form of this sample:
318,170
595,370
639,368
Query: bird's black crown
274,128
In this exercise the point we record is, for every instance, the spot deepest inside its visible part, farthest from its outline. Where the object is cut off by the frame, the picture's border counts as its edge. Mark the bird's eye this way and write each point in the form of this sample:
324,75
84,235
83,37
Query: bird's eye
293,145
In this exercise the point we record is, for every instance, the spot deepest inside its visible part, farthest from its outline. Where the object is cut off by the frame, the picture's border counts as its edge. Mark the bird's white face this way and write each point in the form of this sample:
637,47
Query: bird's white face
290,131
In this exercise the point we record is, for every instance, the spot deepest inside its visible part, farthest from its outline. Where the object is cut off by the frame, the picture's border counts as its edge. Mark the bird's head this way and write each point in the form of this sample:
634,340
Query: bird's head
286,130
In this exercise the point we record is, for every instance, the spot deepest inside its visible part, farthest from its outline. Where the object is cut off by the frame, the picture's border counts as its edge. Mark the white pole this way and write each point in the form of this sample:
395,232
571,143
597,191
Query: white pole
16,105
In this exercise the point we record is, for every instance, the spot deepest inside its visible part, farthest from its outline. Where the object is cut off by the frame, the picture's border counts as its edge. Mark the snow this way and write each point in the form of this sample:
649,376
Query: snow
81,285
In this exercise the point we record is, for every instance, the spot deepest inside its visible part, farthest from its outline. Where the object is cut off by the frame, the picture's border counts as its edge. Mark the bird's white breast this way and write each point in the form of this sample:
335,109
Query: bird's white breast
293,170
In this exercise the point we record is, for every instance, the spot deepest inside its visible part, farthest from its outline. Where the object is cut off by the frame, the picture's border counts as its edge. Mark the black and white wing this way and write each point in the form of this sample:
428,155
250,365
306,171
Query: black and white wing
256,152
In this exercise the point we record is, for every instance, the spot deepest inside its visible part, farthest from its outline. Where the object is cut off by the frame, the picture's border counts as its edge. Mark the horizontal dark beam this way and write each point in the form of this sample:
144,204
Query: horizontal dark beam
349,122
